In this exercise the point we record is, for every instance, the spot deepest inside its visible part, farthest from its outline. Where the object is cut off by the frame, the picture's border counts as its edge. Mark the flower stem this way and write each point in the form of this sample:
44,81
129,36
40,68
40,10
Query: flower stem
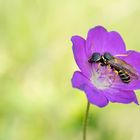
85,121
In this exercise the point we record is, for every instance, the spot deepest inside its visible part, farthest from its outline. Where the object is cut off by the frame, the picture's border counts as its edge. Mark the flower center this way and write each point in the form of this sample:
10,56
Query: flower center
102,76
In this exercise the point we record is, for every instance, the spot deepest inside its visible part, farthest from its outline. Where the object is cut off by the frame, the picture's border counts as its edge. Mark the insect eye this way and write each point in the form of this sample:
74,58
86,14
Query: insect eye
108,56
95,58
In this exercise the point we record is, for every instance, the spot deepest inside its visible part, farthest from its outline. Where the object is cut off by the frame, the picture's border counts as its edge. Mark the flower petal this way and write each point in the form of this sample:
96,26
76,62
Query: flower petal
80,55
120,96
133,85
81,82
95,40
133,58
95,97
100,40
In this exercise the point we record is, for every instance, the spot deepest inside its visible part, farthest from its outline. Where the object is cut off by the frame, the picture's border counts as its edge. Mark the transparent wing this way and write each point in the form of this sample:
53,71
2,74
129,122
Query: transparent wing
119,64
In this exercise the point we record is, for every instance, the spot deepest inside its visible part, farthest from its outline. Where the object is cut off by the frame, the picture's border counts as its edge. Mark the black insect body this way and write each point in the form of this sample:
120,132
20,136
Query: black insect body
124,76
95,58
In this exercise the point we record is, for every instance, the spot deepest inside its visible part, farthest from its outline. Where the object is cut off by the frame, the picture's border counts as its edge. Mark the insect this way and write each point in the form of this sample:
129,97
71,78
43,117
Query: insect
125,71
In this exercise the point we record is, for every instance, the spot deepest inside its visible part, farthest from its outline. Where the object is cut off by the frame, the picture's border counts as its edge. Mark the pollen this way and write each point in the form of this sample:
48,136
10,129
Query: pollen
103,76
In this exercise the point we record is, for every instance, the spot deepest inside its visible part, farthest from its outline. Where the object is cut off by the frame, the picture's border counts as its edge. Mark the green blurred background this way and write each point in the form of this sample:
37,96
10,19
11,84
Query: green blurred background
37,101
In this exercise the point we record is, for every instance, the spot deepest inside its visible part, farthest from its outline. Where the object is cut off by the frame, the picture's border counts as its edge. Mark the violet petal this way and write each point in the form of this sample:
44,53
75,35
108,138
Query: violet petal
133,85
133,58
120,96
100,40
80,55
81,82
95,97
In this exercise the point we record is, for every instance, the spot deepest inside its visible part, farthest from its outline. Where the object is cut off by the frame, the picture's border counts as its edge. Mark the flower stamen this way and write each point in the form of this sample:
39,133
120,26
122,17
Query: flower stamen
102,76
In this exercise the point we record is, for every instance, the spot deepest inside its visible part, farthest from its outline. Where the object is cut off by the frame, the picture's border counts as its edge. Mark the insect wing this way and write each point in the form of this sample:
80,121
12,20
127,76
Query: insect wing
119,64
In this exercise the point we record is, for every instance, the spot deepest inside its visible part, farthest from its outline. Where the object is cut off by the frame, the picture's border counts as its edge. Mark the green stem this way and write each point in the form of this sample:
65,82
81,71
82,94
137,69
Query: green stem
85,121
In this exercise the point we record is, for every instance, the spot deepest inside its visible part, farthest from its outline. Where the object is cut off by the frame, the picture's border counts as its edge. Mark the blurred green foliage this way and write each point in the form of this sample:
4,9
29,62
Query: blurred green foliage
37,101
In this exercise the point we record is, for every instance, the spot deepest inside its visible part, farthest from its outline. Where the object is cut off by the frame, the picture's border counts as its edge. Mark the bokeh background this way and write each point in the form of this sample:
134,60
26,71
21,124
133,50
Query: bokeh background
37,101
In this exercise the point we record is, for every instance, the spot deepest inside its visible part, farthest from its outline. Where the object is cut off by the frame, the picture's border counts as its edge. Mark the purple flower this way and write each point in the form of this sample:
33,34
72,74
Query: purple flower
102,83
